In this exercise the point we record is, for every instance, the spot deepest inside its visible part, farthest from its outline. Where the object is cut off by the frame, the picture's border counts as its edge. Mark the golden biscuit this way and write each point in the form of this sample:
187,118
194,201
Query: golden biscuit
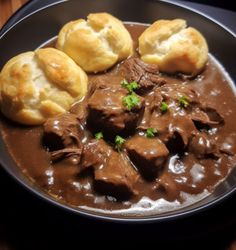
37,85
96,44
174,47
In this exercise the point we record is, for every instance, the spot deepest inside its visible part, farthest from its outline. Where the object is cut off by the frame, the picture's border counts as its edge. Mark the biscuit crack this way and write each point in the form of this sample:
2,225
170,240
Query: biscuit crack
163,47
102,36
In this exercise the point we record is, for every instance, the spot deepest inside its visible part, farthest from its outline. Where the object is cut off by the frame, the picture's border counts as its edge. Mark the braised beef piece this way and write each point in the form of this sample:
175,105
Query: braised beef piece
95,82
206,117
167,186
174,130
95,153
113,173
108,112
62,131
196,109
153,102
180,131
62,136
116,178
146,75
103,82
202,147
183,119
147,154
72,153
170,94
174,92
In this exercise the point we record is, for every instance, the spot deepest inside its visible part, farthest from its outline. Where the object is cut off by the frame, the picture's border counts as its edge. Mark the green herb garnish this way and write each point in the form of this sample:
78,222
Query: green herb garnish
130,86
130,101
150,133
119,141
164,107
184,101
99,135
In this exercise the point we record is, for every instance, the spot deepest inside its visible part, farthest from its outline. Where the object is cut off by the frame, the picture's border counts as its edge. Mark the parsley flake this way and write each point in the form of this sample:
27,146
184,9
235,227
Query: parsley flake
130,86
119,141
150,133
184,101
99,135
164,107
130,101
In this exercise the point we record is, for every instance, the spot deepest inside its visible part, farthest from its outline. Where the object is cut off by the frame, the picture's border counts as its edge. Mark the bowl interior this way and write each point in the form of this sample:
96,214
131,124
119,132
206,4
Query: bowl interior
31,32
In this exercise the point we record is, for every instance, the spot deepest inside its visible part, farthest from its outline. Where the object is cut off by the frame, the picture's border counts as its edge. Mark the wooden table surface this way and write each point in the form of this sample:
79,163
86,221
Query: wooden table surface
8,7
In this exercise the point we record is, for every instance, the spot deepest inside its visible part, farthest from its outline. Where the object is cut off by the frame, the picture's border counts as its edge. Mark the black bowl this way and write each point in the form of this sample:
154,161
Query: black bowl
40,26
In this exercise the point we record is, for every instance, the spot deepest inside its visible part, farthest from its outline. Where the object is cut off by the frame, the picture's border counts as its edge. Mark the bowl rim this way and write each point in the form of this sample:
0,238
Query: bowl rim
108,217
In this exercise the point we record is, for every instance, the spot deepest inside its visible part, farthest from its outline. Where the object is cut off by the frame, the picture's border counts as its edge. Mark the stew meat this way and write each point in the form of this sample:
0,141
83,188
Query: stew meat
176,141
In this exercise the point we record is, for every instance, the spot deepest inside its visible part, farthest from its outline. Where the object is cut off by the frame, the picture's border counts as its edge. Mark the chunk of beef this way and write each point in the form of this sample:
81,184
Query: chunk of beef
116,177
202,147
180,131
113,173
95,154
72,153
62,131
152,104
148,154
146,75
213,115
205,117
167,186
180,122
62,136
104,81
164,121
173,93
170,126
95,82
201,114
108,112
173,129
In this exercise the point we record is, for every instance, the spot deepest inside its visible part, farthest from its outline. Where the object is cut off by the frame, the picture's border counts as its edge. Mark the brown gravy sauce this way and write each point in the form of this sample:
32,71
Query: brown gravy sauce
194,179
